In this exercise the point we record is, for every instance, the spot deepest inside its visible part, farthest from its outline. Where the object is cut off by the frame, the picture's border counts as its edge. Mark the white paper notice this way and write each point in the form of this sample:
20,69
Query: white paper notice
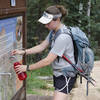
13,2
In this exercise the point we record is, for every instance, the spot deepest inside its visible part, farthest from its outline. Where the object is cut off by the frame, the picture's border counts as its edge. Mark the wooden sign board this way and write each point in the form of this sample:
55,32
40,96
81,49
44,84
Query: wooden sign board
12,36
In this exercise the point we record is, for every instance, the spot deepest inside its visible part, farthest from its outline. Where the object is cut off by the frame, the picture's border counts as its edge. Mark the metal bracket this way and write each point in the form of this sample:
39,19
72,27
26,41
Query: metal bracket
5,73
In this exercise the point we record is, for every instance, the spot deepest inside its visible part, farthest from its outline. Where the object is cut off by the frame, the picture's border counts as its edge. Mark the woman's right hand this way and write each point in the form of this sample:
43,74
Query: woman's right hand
19,52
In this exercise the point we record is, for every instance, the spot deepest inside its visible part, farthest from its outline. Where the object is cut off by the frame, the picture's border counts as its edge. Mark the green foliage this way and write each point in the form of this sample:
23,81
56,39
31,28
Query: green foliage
33,82
37,32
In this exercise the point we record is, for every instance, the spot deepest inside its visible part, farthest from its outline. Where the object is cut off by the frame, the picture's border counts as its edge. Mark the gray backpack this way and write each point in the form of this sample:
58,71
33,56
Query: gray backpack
84,55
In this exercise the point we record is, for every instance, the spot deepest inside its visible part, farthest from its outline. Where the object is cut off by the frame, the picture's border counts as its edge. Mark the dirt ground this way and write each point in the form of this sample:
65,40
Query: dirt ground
79,92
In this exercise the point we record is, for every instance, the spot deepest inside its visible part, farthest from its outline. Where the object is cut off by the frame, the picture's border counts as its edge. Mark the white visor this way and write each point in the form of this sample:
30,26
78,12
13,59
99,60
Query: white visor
46,18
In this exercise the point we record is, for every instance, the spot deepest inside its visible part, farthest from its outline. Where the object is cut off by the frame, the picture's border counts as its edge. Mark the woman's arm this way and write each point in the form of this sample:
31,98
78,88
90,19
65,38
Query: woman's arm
42,63
37,49
33,50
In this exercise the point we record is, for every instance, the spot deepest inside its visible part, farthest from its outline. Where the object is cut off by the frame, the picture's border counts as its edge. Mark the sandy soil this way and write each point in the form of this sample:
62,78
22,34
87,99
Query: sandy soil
79,93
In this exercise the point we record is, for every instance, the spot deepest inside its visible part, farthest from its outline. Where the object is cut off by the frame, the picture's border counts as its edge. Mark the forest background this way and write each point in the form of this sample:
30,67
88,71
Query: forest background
82,13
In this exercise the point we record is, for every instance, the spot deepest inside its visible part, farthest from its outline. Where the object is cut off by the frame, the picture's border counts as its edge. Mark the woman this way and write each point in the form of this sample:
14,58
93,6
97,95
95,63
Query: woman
60,45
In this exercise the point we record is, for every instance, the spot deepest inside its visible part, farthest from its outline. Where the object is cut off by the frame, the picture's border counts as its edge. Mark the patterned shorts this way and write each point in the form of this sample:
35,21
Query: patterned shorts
63,83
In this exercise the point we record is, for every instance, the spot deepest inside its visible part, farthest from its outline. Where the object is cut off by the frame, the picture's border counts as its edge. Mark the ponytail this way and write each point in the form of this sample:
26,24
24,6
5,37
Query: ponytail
57,9
62,10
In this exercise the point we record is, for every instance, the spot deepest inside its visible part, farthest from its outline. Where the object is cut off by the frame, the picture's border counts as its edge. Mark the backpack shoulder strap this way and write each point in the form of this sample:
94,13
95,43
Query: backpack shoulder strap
50,37
74,44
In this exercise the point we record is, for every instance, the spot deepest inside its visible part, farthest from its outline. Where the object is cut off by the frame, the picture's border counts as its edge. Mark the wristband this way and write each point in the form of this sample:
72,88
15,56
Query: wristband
24,52
27,68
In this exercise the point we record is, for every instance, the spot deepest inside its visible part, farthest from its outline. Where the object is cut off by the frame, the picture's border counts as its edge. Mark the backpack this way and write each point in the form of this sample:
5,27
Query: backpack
84,56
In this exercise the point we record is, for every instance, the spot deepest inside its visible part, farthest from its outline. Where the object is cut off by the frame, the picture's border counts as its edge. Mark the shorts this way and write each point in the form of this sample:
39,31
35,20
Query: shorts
64,84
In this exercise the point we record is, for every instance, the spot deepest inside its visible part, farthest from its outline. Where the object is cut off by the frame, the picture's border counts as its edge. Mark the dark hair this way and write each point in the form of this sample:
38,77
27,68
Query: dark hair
57,9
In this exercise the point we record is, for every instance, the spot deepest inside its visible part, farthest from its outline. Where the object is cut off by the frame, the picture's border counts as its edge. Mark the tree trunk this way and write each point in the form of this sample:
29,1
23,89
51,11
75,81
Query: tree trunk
88,14
80,11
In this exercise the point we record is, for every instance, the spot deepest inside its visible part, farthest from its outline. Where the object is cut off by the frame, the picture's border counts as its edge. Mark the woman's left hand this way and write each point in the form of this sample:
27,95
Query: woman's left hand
21,68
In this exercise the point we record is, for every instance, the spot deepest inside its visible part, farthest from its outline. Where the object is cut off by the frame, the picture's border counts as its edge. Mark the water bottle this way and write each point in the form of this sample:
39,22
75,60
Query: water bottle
21,76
